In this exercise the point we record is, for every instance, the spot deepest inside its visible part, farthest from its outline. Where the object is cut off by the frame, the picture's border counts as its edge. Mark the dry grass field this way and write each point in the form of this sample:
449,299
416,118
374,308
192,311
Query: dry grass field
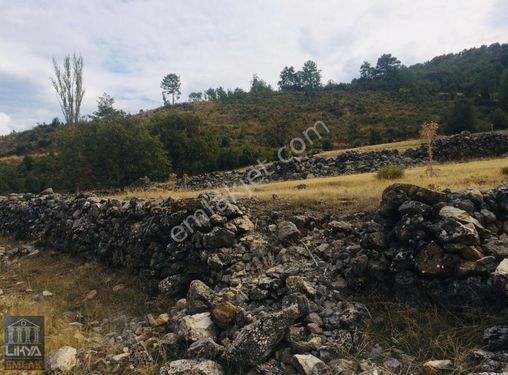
71,317
363,191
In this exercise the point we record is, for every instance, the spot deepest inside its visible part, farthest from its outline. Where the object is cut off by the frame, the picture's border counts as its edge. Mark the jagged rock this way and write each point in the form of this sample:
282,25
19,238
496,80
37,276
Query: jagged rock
461,216
502,269
244,224
307,364
393,365
199,297
340,226
205,349
496,338
299,284
224,313
451,231
287,231
497,246
191,367
196,327
62,360
219,237
256,341
434,261
395,195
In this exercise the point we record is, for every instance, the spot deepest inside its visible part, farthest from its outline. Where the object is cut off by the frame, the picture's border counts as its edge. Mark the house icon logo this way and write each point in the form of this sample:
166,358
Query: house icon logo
24,343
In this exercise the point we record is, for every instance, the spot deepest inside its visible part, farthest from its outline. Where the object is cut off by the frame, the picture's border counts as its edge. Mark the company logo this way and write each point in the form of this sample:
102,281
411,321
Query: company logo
24,343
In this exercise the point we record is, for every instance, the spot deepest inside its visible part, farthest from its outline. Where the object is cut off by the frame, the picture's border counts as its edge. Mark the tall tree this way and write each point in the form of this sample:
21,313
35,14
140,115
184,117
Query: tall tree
386,64
259,86
170,85
310,76
68,84
366,70
289,79
105,108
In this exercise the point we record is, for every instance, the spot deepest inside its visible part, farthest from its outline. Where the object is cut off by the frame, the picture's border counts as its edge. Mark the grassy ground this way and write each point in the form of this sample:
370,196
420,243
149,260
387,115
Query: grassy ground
401,146
363,191
70,280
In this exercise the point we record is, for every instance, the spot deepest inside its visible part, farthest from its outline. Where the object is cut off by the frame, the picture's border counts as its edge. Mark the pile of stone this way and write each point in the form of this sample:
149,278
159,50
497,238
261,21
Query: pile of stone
278,297
465,146
350,162
458,147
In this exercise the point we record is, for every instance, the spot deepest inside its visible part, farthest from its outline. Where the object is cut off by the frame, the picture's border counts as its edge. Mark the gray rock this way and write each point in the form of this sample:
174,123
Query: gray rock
287,231
191,367
205,349
496,338
218,237
256,341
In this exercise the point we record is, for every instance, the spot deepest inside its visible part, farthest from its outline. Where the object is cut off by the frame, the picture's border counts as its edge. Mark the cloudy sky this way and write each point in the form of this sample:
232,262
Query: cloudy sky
129,45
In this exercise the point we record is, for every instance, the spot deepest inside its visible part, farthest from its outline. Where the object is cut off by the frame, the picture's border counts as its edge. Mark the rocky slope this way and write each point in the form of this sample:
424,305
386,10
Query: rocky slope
279,296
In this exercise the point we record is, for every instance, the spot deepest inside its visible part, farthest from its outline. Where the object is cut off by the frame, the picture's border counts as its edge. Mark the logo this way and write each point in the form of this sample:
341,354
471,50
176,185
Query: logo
24,343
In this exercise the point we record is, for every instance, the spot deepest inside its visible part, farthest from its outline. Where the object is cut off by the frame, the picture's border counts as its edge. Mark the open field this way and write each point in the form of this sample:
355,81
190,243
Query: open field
363,190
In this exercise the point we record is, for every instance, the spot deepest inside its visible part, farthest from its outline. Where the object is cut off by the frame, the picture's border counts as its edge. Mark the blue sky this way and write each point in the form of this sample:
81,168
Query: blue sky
129,45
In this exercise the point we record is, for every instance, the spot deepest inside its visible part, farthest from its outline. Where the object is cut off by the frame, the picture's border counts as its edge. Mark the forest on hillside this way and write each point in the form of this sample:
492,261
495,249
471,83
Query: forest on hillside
228,128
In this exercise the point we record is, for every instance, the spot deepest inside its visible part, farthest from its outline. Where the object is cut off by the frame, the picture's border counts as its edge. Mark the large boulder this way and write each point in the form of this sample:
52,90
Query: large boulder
256,341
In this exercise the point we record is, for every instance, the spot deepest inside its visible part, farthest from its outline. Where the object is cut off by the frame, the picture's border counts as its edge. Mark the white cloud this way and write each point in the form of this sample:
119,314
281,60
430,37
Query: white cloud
129,45
4,124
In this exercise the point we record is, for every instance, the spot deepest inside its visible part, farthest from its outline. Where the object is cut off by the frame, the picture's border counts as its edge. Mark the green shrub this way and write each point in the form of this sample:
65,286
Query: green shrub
390,172
504,170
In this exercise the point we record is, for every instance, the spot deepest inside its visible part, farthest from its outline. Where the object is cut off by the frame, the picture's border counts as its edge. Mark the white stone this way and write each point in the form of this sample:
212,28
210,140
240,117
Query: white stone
61,360
196,327
307,363
443,364
502,268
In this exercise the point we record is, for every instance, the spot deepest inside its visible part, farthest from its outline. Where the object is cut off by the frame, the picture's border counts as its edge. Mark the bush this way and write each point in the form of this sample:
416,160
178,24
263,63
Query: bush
390,172
504,170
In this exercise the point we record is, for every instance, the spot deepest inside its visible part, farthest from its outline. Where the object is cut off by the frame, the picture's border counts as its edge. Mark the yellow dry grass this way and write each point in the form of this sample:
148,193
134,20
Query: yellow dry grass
401,146
70,280
363,190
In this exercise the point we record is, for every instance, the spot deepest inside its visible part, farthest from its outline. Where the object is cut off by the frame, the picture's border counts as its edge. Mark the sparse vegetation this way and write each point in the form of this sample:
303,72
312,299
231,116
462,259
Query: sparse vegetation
504,170
390,172
429,133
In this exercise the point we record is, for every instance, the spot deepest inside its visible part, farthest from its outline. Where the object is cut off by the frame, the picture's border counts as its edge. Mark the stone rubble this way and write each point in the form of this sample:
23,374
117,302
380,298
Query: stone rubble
250,297
462,146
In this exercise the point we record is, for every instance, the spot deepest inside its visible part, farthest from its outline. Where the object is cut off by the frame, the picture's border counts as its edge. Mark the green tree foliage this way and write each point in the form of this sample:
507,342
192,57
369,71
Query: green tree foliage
188,144
105,108
108,153
386,65
289,79
462,117
310,76
170,85
259,87
11,180
503,90
499,119
375,137
195,97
